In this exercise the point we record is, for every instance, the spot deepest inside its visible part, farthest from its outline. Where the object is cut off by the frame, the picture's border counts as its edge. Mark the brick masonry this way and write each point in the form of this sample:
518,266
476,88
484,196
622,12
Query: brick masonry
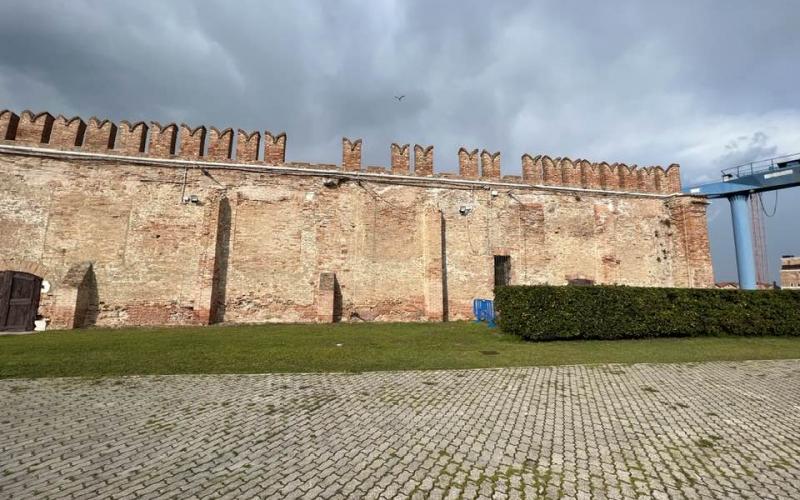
468,163
490,165
100,135
67,132
400,159
790,272
247,146
274,148
274,241
423,160
131,138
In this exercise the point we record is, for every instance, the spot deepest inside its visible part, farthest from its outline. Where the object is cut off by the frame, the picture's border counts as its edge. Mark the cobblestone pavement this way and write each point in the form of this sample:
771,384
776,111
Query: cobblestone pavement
683,430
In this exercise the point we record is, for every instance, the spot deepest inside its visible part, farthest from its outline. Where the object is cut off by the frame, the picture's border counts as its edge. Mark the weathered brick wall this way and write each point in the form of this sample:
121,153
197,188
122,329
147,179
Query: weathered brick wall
266,243
145,244
790,272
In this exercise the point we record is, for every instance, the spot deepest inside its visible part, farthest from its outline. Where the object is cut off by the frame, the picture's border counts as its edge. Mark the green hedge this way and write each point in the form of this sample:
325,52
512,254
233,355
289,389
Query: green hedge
617,312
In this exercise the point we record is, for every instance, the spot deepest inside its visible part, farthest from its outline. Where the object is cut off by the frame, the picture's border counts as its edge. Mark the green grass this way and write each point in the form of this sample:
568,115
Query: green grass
364,347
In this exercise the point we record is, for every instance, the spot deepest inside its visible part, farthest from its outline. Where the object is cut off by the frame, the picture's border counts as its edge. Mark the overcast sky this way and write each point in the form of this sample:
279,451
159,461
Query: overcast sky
706,84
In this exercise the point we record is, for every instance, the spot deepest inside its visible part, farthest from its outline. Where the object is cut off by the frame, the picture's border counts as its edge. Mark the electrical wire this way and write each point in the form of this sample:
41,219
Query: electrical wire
774,207
375,195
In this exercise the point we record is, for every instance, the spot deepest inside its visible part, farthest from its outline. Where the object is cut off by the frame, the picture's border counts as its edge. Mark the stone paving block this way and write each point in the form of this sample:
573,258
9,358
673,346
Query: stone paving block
708,430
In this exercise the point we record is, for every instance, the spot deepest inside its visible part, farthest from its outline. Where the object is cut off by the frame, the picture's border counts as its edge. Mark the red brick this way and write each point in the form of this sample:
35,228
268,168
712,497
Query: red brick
351,154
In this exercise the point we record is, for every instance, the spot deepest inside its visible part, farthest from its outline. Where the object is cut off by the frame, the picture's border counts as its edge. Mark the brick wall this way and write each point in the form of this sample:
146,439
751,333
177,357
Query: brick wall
261,245
790,273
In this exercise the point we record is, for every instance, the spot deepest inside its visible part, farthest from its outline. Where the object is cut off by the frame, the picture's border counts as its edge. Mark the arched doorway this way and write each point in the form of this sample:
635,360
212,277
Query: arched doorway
19,300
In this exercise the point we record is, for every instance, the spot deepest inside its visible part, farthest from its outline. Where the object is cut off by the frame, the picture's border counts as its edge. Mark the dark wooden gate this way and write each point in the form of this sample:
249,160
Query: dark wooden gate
19,300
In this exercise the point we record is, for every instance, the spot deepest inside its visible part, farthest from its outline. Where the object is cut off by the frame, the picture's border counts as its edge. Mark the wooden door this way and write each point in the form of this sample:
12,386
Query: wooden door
19,300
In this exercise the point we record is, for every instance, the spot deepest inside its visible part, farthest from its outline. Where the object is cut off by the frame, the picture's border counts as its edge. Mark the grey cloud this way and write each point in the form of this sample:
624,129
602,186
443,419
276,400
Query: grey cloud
639,82
744,149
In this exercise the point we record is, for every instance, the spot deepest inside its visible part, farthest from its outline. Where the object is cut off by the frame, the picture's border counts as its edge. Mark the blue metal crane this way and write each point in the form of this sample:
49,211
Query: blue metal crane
737,184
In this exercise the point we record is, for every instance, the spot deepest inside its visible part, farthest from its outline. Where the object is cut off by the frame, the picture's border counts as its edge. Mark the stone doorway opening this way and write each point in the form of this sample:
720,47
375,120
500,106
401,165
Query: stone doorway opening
502,270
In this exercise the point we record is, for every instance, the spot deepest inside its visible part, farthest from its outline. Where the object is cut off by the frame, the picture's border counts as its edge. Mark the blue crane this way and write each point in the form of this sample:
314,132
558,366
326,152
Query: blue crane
737,184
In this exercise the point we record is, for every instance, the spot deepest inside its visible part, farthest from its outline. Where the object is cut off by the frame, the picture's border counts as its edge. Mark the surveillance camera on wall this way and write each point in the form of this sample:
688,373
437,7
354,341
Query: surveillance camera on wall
192,198
464,209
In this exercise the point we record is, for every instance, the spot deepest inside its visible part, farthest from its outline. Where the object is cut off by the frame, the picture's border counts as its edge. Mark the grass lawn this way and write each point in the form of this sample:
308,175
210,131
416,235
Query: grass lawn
364,347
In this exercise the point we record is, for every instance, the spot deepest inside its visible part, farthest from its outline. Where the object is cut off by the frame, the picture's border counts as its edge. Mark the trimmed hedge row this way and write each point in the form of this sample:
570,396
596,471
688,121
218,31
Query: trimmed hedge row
618,312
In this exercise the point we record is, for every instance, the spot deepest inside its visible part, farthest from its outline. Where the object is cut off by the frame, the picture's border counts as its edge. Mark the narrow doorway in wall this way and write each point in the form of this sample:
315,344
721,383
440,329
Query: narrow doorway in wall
502,270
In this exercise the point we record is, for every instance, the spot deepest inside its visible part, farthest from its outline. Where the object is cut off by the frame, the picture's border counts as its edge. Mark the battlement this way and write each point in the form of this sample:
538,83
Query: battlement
204,143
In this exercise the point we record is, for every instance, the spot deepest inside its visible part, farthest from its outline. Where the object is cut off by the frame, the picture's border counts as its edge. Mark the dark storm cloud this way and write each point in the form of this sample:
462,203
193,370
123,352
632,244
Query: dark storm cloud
640,82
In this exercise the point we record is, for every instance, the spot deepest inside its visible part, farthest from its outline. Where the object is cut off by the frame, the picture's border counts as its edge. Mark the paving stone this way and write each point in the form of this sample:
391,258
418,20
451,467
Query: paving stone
696,431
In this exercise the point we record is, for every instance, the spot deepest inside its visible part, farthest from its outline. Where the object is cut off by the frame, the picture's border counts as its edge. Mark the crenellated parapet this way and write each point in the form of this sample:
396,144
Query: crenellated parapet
531,169
551,174
646,180
67,132
100,136
155,140
275,148
33,129
609,176
351,155
590,173
202,143
490,165
544,170
8,125
468,163
163,140
672,179
423,160
401,161
131,138
570,173
220,144
247,145
627,177
192,142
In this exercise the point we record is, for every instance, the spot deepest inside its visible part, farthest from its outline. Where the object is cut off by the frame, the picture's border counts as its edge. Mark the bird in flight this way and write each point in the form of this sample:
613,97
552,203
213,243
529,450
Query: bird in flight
399,97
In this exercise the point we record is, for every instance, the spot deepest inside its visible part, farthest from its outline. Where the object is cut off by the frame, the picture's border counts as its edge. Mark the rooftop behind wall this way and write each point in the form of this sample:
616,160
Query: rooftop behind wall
202,143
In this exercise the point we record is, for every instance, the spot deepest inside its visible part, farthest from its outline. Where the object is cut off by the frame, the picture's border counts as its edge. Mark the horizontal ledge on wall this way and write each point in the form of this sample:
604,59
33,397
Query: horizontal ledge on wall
377,177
